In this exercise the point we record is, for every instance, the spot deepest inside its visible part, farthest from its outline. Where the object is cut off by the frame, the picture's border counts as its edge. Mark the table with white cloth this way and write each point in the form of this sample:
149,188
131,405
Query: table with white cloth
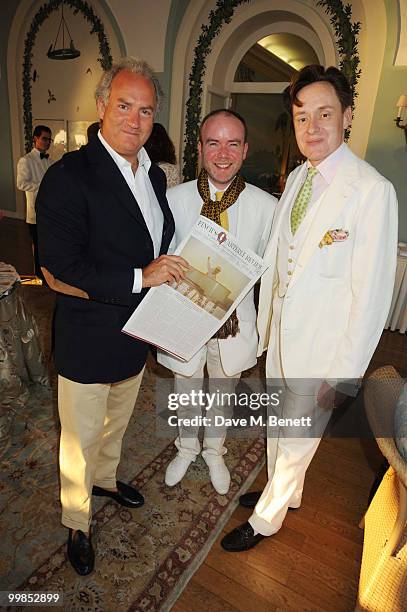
22,361
397,318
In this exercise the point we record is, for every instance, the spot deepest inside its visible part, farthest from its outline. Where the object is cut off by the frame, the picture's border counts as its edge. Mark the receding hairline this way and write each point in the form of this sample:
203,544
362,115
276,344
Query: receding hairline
224,113
135,66
137,75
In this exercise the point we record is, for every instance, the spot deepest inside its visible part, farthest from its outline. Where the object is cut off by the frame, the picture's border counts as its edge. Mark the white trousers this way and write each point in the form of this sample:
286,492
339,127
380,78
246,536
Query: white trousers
187,441
288,456
93,419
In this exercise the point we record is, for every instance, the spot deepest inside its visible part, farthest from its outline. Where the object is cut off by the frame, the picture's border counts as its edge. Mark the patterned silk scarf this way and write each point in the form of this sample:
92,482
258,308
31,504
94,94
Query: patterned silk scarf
212,210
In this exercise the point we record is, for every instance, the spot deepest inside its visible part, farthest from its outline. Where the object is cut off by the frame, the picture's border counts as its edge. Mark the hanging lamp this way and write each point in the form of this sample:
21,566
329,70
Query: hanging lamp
63,52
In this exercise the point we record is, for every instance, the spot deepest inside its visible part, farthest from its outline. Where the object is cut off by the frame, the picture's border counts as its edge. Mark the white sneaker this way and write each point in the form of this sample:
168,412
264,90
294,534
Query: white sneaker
219,473
176,470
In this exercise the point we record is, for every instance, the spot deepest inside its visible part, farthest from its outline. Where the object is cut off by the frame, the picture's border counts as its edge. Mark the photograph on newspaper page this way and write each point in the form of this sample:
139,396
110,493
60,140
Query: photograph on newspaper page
180,318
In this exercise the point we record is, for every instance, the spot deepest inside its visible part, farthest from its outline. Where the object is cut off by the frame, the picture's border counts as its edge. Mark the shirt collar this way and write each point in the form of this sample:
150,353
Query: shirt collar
142,156
329,166
213,189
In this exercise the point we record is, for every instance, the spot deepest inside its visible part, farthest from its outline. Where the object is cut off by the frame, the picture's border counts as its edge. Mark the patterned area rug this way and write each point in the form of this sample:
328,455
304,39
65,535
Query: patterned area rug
144,557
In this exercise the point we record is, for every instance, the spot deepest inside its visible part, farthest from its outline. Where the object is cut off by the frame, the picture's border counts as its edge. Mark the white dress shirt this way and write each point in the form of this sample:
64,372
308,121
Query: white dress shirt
326,173
140,185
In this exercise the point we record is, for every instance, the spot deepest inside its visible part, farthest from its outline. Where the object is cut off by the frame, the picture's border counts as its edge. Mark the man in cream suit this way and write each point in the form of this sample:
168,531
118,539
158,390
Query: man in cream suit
221,194
30,172
325,297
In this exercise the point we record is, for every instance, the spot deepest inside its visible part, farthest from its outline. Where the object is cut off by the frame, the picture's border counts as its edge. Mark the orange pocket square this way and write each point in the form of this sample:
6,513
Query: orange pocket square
331,236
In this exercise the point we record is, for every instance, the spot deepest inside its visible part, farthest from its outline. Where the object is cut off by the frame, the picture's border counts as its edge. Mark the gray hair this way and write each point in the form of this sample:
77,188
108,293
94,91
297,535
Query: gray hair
132,64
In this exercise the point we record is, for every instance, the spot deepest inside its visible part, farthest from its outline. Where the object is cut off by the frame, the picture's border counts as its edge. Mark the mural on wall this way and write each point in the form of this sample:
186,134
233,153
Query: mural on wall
77,134
346,34
30,75
51,97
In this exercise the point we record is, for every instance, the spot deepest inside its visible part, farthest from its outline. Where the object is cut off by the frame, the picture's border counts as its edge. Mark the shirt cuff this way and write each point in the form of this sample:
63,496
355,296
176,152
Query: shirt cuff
138,280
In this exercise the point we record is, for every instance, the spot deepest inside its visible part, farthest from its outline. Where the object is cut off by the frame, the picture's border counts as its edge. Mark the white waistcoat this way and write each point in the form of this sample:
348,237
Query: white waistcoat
289,247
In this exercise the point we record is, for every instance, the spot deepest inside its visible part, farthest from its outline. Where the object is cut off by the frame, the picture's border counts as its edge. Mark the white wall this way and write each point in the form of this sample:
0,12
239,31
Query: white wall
143,25
72,82
371,46
69,80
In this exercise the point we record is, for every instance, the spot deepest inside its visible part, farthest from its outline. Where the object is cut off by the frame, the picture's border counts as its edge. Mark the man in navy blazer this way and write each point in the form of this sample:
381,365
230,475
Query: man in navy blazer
104,227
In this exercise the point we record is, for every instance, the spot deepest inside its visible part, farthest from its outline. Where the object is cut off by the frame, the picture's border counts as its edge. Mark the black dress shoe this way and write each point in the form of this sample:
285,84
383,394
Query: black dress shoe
249,500
80,552
125,495
241,538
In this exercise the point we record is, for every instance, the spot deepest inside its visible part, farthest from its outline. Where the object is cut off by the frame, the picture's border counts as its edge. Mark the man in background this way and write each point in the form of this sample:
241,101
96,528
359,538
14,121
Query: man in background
30,171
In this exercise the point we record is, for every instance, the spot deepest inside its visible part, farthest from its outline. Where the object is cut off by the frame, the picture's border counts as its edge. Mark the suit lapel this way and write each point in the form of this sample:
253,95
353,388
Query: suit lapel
113,180
283,208
334,200
158,184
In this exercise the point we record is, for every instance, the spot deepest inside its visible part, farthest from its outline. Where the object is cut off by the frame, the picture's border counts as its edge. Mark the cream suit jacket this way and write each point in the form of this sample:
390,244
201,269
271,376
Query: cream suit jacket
254,219
338,298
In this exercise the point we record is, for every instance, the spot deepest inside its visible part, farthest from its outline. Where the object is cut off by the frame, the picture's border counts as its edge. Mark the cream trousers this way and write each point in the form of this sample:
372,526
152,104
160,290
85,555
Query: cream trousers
187,441
93,419
288,456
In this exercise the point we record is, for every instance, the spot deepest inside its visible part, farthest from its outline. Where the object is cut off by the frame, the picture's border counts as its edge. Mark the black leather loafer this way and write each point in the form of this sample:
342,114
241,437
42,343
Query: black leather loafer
80,552
249,500
241,538
125,495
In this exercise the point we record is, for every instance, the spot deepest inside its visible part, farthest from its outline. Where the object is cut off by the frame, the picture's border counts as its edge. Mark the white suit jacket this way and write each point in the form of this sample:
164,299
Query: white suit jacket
30,172
254,219
339,295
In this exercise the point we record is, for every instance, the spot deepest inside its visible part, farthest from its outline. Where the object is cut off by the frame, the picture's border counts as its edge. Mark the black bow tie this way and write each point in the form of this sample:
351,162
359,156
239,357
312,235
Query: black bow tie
44,155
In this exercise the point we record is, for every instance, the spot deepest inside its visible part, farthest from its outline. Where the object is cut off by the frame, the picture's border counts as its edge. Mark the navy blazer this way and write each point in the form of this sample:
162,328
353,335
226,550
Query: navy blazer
92,235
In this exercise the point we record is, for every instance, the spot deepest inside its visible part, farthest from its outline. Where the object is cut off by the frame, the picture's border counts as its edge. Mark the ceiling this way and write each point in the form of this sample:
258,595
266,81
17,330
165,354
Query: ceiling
291,49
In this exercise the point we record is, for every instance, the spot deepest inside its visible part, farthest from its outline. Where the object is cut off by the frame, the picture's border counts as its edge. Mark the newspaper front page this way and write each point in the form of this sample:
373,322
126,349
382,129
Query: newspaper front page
180,318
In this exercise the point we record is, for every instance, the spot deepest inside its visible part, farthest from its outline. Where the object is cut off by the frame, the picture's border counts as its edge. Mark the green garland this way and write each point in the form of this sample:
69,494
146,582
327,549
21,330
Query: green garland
346,33
222,14
39,18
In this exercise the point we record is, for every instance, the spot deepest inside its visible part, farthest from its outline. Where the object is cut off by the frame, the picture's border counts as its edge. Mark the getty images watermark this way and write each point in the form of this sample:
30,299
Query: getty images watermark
253,407
245,407
211,401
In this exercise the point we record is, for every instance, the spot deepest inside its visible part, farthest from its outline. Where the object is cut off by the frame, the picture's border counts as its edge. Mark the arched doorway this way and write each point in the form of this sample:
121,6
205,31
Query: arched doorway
256,91
54,93
255,20
251,23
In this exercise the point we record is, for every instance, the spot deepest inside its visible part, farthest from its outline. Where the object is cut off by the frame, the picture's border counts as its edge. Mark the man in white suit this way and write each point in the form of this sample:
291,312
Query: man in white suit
221,194
30,172
326,295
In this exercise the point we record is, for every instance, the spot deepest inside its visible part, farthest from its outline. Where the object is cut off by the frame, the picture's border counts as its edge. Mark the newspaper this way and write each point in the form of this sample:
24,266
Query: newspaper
180,318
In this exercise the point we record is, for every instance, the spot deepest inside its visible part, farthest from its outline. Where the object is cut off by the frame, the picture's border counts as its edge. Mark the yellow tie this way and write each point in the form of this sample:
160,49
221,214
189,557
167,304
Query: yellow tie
224,220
